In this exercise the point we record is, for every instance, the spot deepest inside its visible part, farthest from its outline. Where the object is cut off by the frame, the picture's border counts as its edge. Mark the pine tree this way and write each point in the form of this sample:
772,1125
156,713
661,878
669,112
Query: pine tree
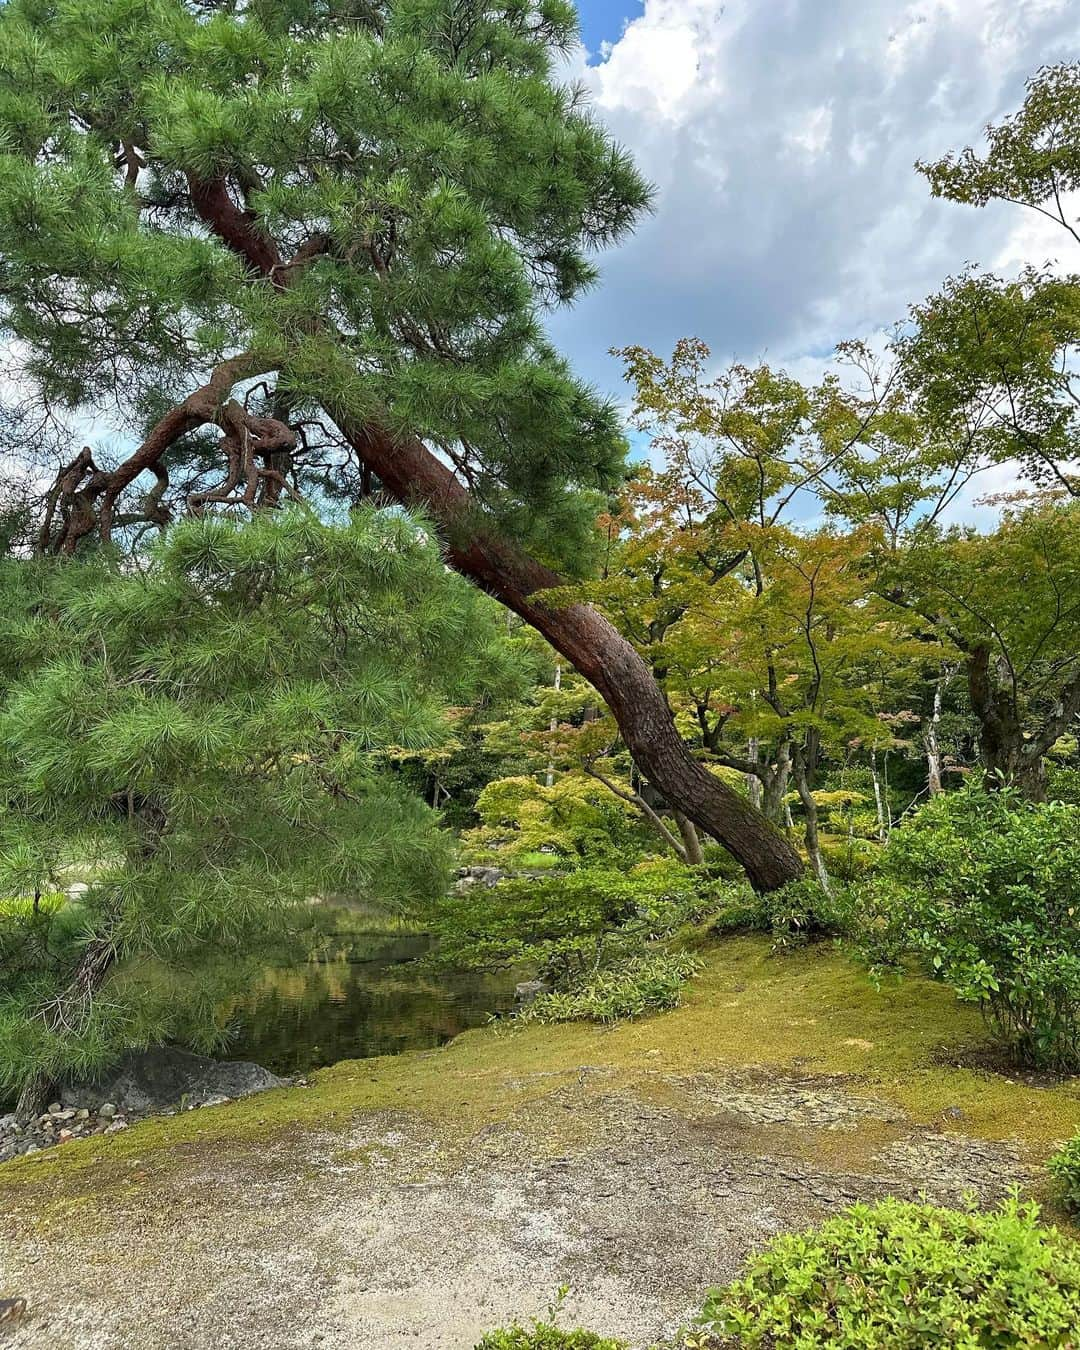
329,232
207,738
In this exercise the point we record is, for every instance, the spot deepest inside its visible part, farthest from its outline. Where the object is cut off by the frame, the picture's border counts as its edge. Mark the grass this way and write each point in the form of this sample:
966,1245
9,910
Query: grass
809,1013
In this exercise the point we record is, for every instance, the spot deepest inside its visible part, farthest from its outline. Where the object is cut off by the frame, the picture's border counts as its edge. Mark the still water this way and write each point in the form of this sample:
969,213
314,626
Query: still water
368,994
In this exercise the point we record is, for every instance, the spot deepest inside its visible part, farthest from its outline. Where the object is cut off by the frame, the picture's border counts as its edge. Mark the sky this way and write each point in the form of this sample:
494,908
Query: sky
781,136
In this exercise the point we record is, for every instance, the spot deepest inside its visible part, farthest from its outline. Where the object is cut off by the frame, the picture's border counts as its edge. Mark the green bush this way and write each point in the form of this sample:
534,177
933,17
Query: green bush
641,984
803,911
983,890
569,925
544,1336
1064,1167
901,1276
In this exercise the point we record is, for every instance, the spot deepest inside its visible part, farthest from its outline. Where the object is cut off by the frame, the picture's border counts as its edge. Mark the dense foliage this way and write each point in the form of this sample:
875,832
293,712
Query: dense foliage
203,742
652,981
983,890
901,1275
1064,1167
180,188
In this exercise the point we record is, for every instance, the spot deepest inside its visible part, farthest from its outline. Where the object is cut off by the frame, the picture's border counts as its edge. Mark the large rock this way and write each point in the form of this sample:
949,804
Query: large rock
166,1077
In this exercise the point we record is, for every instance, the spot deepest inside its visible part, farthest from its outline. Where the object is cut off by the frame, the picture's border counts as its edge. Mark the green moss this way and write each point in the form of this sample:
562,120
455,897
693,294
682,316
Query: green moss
811,1013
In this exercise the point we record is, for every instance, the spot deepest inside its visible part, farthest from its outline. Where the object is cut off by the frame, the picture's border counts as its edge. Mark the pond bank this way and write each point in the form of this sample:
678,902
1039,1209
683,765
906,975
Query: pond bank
421,1199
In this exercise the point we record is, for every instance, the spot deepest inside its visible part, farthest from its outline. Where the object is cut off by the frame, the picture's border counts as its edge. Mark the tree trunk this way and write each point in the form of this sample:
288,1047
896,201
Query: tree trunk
691,843
775,786
753,780
553,726
933,749
879,805
1009,759
412,475
810,817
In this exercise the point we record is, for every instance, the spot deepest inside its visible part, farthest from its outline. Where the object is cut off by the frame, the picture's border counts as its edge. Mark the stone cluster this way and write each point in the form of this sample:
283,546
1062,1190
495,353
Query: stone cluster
56,1126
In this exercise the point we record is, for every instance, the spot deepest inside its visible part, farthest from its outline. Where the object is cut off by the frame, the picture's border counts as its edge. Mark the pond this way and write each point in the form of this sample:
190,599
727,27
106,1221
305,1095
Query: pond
369,993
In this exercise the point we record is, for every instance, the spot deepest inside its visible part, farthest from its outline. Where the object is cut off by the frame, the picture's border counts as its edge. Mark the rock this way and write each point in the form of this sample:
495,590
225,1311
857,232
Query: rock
529,991
154,1080
82,1114
55,1109
220,1100
65,1135
107,1110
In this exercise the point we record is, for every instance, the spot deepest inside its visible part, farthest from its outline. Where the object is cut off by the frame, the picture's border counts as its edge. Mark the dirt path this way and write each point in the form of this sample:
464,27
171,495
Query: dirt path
418,1202
392,1236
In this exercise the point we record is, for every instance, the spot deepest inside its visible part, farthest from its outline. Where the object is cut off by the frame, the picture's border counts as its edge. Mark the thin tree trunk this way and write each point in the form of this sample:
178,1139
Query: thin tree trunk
695,856
933,748
549,776
753,781
882,820
775,786
810,819
412,475
636,800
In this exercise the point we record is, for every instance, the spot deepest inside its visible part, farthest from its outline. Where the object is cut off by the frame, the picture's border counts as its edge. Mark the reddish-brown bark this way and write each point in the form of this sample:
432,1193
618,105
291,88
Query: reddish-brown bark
412,475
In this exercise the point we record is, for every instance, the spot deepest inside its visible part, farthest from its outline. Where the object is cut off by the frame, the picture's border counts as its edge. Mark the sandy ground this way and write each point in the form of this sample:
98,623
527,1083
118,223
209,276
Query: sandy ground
399,1233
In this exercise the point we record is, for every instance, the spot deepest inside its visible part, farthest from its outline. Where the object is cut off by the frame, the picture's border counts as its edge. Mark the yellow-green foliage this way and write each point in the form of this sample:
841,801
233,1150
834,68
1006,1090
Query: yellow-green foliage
576,817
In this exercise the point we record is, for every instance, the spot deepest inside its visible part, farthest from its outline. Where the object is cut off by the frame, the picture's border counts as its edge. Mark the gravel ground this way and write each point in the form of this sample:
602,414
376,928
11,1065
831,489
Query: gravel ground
401,1233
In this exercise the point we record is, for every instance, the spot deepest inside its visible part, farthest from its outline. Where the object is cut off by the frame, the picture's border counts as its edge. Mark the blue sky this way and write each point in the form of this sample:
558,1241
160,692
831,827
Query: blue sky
781,136
602,20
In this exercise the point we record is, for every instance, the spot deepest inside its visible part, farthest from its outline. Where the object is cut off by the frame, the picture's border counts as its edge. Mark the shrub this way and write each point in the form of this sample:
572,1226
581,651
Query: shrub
1064,1167
650,982
984,891
804,911
571,924
545,1336
903,1276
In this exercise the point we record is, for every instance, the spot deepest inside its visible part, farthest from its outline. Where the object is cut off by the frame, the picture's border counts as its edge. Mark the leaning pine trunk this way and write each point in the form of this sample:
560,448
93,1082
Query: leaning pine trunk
411,474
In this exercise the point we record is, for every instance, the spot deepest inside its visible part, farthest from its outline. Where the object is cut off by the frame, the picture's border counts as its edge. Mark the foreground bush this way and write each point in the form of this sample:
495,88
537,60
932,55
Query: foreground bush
984,891
903,1276
544,1336
1064,1167
651,982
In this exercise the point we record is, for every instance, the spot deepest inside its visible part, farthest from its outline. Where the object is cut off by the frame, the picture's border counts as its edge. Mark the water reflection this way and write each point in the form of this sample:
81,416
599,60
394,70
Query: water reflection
365,994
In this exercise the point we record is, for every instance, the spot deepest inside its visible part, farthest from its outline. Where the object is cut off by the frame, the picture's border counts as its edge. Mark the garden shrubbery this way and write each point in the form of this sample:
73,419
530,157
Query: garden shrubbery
983,891
1064,1167
904,1276
650,982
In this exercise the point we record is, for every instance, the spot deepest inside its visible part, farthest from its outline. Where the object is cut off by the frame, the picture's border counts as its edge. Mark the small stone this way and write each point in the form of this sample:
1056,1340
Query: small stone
33,1148
55,1109
116,1125
107,1110
216,1101
65,1135
82,1114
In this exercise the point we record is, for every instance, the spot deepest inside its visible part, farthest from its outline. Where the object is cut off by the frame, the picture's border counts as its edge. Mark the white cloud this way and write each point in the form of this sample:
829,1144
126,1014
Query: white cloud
781,135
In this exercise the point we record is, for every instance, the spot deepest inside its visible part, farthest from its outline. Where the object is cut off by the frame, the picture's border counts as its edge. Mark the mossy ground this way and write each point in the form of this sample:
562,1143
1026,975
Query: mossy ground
811,1013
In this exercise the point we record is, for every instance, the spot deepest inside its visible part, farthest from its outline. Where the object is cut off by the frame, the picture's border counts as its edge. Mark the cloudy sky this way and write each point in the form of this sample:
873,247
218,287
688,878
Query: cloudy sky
781,136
